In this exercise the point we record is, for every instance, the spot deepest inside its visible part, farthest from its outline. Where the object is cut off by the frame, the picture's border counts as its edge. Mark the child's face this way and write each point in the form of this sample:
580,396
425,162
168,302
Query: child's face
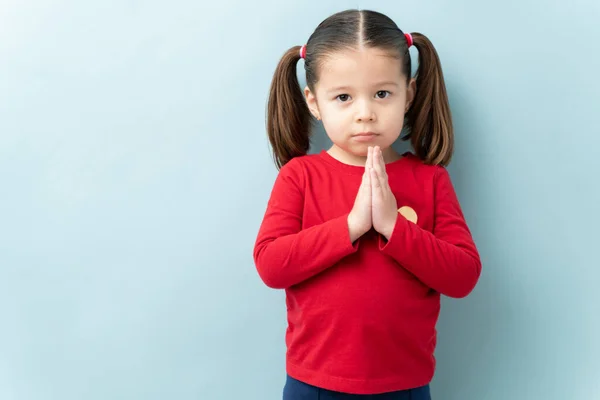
361,91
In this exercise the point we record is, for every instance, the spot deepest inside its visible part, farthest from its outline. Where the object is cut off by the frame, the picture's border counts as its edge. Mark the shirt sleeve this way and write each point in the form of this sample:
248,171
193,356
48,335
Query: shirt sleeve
284,253
446,259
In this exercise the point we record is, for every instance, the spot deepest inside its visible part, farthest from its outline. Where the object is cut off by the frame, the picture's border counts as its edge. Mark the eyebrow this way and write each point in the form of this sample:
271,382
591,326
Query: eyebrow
384,83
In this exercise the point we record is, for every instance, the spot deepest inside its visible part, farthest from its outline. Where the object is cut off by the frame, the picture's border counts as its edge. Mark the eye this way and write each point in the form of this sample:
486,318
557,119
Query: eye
382,94
343,98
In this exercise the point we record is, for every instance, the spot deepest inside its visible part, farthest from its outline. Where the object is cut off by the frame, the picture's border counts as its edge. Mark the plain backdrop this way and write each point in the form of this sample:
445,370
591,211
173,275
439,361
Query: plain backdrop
135,170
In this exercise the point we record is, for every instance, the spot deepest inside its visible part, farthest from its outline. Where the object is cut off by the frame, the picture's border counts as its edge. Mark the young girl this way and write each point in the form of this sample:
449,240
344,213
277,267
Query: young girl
363,240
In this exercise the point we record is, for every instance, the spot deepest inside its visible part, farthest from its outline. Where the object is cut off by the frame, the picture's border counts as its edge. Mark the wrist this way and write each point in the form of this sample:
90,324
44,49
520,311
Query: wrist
353,229
388,229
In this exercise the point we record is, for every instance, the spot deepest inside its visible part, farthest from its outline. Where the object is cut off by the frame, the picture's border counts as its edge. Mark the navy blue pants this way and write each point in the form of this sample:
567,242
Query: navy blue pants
296,390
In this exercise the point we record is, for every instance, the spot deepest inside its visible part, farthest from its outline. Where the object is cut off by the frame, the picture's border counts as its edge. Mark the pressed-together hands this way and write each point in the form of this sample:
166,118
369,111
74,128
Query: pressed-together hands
375,205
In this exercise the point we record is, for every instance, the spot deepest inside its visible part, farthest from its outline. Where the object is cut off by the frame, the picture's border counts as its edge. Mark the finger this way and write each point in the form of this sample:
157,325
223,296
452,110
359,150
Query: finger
377,159
365,180
382,163
379,169
375,183
383,172
376,192
369,163
367,188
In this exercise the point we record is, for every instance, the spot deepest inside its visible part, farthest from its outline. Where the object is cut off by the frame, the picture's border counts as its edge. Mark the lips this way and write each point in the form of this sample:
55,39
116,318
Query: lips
365,134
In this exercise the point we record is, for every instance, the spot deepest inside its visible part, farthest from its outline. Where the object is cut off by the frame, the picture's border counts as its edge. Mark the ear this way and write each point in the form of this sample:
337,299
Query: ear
411,92
311,101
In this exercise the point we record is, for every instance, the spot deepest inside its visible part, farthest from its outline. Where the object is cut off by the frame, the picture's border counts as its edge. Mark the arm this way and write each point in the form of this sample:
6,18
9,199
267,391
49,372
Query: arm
284,253
446,260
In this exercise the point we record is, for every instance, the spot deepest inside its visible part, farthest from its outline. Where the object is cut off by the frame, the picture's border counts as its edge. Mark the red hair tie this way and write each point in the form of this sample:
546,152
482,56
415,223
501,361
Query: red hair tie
303,51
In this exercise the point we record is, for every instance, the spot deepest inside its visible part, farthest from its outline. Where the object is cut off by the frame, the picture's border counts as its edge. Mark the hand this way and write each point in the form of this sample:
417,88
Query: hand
384,206
359,219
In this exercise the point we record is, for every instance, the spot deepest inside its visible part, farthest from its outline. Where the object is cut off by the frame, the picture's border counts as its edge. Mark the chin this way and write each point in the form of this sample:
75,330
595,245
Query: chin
361,149
357,151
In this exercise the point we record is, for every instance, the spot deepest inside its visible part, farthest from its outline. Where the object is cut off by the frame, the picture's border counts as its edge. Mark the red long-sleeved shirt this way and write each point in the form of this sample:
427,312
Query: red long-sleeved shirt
362,315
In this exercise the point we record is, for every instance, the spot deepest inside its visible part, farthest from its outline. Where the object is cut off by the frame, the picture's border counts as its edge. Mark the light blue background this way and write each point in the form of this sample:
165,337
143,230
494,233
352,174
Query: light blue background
134,172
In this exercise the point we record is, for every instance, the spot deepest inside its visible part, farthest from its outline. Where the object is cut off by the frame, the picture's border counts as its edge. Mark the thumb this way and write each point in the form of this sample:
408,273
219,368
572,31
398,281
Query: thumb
365,182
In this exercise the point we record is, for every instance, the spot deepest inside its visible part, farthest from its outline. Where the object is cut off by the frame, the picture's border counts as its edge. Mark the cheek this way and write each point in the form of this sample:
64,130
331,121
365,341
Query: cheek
332,115
394,115
328,109
333,127
398,122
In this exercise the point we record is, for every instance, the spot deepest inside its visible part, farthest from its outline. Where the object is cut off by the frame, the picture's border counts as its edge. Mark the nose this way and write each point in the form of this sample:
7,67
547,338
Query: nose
365,112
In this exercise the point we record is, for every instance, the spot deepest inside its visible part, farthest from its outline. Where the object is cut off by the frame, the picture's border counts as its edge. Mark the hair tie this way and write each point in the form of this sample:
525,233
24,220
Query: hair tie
303,51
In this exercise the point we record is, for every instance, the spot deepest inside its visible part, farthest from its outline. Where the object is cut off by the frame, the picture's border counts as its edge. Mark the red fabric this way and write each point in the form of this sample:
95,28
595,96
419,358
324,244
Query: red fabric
362,316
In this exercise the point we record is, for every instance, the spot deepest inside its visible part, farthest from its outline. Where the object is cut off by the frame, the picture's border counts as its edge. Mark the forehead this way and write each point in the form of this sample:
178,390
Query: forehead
363,66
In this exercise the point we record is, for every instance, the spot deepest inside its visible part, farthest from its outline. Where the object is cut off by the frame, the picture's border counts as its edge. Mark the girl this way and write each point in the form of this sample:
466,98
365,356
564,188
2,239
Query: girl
363,240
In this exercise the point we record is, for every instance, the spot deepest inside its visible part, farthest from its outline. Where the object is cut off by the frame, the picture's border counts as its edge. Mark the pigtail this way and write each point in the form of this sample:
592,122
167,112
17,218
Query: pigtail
288,116
429,118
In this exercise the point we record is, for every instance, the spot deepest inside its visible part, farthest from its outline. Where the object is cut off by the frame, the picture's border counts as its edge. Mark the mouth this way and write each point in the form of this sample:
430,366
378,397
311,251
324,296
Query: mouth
364,136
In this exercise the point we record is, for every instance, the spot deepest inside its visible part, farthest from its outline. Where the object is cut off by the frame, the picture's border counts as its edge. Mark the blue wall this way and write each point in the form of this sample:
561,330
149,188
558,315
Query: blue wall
135,170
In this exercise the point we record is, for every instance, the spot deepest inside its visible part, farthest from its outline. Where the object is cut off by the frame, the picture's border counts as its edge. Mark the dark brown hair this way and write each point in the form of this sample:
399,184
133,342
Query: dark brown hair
428,121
